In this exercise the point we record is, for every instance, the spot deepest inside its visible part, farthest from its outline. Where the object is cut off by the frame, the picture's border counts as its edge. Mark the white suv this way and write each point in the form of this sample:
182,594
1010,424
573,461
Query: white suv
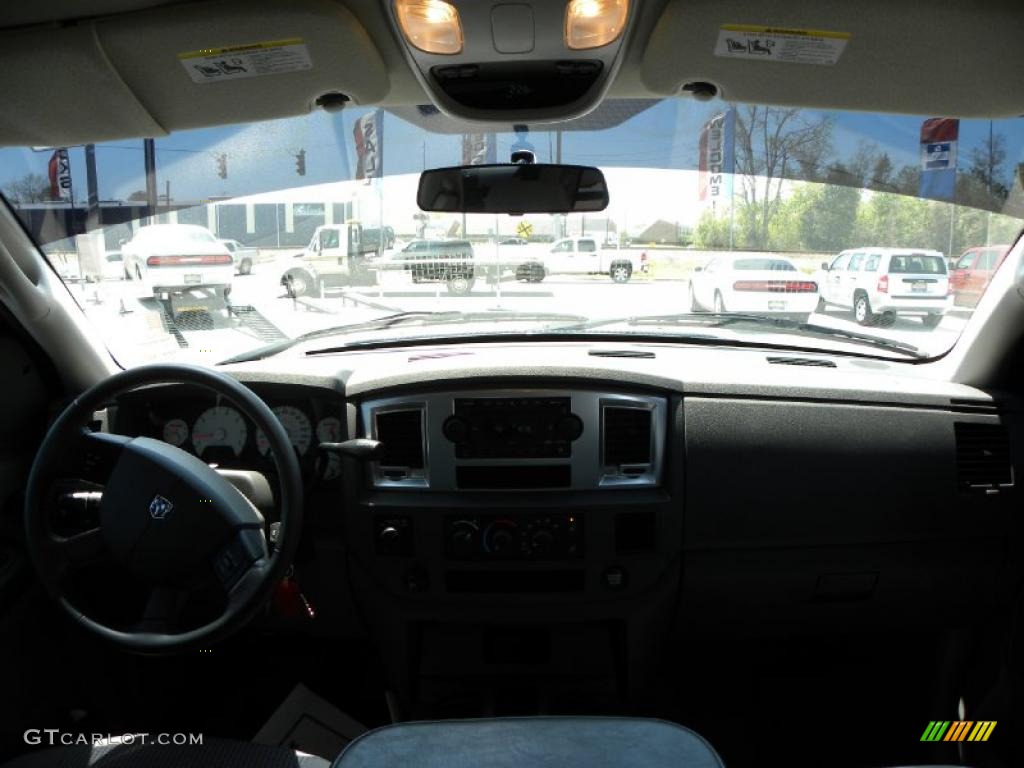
888,281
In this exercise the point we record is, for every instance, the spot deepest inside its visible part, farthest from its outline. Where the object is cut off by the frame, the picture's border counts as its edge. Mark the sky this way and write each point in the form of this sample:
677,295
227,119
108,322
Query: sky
261,156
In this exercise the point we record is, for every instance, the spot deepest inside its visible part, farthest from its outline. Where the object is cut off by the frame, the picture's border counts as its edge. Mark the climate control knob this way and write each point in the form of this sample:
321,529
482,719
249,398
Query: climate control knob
541,541
463,538
501,537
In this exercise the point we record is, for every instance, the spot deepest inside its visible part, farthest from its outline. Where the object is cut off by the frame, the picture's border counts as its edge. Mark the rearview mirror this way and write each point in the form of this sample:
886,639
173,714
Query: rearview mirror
824,266
513,189
698,269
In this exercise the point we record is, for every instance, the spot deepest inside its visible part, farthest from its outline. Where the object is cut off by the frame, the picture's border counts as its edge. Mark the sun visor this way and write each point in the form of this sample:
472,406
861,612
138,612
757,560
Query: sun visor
946,58
230,62
184,66
59,89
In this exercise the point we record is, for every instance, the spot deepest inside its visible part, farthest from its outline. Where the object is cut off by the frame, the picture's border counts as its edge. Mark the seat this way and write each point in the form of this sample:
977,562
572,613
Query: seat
212,753
531,742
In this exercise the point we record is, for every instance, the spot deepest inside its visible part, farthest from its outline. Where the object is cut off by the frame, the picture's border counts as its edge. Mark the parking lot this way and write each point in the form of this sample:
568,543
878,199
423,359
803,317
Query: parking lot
202,329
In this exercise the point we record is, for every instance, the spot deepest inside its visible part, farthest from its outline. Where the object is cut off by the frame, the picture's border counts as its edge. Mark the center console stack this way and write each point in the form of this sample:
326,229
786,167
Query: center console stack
507,505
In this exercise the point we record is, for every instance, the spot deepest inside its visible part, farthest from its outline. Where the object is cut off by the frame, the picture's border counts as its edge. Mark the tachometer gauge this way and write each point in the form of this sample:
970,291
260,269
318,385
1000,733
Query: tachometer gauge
176,432
220,426
295,423
328,430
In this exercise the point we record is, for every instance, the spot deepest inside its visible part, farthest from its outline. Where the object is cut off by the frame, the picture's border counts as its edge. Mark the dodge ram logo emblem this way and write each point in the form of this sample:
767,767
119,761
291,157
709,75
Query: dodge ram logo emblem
159,507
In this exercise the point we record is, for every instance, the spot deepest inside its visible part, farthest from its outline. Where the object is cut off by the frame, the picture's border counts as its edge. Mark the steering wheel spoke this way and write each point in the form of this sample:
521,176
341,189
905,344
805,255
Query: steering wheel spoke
95,455
163,609
81,550
244,552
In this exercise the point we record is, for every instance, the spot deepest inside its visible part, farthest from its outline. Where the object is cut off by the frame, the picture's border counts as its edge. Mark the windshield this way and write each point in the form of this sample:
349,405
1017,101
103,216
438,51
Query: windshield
851,232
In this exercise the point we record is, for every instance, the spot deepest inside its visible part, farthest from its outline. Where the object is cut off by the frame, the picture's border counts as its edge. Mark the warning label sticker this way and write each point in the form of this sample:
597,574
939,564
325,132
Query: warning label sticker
795,46
212,65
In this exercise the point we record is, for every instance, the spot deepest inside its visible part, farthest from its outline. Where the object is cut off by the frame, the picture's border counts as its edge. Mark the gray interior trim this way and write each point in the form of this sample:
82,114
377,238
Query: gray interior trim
586,461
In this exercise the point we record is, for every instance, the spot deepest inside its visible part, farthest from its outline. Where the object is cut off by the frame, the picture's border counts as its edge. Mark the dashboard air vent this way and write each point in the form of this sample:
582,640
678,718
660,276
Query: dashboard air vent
813,362
401,432
983,462
627,438
637,353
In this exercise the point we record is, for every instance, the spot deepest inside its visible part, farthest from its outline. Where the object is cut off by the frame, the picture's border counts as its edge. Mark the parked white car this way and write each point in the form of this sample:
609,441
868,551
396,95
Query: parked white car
169,258
113,265
242,255
872,282
763,285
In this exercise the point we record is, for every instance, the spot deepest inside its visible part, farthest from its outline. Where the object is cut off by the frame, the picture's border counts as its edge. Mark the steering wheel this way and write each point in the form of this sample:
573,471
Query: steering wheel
167,518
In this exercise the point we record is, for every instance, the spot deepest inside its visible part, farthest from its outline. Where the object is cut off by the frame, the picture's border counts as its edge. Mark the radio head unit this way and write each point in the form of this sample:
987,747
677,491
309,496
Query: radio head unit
512,428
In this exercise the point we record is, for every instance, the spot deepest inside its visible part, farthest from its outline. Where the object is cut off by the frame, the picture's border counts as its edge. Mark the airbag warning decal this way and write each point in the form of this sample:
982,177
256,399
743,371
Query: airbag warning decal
794,46
211,65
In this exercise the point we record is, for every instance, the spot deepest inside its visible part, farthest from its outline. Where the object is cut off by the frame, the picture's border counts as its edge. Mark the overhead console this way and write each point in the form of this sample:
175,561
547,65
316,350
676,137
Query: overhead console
513,61
517,440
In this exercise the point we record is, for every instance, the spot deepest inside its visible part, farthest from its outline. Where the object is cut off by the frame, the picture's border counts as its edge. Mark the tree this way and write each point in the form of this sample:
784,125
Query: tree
30,188
712,231
987,165
138,194
983,184
827,214
772,145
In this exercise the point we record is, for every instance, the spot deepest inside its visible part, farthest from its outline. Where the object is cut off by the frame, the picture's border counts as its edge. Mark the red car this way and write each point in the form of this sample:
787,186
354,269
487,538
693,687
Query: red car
971,273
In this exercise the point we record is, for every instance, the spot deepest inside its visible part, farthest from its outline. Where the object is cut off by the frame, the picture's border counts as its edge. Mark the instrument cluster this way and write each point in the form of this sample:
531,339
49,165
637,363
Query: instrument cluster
217,432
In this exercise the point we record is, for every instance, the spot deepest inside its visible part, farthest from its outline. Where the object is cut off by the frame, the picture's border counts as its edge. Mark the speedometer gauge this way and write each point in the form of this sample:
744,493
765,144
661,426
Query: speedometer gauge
175,432
295,423
220,426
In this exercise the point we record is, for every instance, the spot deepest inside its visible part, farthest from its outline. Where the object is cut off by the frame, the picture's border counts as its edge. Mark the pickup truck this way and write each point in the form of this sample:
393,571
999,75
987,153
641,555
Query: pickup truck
242,256
378,239
449,261
335,256
582,256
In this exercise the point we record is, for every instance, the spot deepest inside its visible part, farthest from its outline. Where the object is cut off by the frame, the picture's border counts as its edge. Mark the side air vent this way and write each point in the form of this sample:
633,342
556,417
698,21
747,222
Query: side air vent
627,444
983,462
404,459
813,362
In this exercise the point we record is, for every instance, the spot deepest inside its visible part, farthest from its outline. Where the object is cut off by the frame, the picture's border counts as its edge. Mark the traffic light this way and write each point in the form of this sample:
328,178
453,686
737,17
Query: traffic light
300,162
222,165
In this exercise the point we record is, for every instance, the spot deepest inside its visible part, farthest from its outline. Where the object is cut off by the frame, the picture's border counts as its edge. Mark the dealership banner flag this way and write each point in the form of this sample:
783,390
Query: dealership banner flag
59,171
368,133
479,149
716,159
939,138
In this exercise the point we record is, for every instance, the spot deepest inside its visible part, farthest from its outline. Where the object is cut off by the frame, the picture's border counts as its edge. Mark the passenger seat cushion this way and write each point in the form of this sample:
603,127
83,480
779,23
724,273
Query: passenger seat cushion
531,742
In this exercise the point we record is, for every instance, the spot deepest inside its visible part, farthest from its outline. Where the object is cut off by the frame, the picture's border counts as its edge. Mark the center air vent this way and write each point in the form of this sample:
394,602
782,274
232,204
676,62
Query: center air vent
983,462
813,362
627,443
404,458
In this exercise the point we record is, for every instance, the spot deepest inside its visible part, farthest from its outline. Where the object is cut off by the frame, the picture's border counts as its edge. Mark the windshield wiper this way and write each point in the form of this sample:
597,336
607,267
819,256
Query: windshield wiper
398,318
723,319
